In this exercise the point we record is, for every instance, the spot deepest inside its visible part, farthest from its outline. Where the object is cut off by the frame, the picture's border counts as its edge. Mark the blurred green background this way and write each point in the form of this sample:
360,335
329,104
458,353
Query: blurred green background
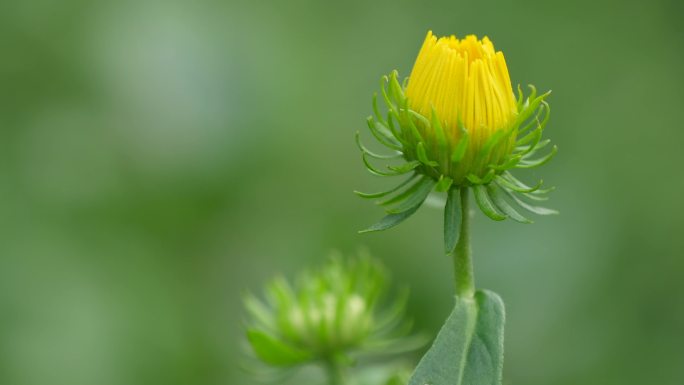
160,158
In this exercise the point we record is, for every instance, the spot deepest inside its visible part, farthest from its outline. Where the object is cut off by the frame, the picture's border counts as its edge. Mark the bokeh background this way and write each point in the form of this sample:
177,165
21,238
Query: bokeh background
158,159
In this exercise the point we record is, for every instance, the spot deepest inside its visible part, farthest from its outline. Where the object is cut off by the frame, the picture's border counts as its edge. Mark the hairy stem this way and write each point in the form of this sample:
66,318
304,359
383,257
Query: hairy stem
462,254
336,372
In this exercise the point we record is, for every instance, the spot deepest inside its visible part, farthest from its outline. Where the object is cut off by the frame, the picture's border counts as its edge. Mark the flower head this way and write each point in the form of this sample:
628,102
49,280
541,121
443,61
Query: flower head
457,123
325,315
466,84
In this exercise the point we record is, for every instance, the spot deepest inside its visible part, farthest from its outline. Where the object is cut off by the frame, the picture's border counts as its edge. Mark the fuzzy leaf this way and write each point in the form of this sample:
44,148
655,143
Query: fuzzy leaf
452,219
469,348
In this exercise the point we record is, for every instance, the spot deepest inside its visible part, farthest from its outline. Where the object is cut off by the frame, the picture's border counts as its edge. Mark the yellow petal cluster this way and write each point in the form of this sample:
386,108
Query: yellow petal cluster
463,79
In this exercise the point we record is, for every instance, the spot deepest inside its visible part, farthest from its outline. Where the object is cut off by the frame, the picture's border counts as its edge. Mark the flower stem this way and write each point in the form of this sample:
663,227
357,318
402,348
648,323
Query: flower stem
336,372
462,254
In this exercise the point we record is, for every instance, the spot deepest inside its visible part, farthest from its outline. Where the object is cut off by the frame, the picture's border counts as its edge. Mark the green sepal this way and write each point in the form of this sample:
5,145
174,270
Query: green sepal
533,138
375,171
540,145
275,352
476,180
462,145
533,209
492,142
444,183
422,155
383,193
259,312
485,203
406,167
423,189
421,118
390,221
390,105
508,164
376,110
453,213
409,120
395,88
383,134
370,153
504,206
535,197
469,348
538,162
402,195
438,129
510,182
393,129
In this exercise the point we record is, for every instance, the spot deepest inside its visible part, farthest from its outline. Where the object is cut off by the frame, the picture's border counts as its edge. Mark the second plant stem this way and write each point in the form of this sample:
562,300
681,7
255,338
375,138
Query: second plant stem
336,372
462,254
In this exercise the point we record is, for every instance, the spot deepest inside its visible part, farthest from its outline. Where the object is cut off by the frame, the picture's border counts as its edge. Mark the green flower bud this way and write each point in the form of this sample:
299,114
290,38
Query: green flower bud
325,315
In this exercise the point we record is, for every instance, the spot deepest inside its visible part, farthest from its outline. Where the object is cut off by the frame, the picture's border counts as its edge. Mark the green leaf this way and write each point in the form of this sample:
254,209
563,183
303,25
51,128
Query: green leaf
469,348
486,205
452,219
423,189
504,206
274,351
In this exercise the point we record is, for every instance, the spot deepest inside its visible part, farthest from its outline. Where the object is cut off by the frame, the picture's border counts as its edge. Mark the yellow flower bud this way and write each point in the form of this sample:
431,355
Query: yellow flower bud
457,123
465,82
462,79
